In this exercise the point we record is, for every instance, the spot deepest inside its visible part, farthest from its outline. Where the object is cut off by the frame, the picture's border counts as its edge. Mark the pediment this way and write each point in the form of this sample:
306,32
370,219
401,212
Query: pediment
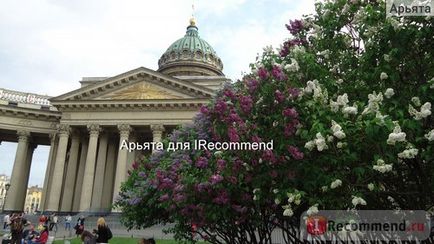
137,84
142,91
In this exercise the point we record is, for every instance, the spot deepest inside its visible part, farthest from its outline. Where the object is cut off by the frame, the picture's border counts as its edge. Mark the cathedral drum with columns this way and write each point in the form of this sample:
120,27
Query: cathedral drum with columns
85,127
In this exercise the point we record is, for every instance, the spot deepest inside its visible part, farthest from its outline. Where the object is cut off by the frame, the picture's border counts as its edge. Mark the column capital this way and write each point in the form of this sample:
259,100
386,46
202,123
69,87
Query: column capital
94,129
52,137
157,128
124,130
63,129
23,135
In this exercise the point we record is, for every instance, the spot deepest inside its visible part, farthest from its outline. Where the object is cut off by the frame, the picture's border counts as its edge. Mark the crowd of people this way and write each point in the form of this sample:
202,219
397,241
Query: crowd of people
23,231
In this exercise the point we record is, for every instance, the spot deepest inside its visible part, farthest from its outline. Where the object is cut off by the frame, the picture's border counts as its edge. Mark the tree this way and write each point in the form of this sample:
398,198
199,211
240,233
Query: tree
347,103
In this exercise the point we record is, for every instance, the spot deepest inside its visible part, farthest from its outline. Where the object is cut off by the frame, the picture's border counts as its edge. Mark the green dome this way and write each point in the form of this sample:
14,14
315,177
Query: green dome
190,55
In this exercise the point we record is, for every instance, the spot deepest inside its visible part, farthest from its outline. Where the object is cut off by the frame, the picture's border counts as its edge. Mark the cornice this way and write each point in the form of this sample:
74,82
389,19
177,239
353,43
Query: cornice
115,82
29,113
113,105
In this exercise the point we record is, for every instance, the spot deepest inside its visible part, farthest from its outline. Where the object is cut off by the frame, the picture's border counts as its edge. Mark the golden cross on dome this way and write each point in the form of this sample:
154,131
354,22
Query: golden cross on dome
192,19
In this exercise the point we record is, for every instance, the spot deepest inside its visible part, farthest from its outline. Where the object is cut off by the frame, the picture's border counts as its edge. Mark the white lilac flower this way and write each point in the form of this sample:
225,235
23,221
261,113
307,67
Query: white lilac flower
382,167
255,198
324,188
432,83
310,87
389,93
416,101
430,135
337,130
350,110
383,76
288,212
395,23
397,135
335,184
340,145
387,57
277,201
358,201
275,191
293,66
380,117
330,138
256,190
371,186
425,111
310,145
408,153
374,102
268,49
320,142
343,100
340,81
312,210
334,106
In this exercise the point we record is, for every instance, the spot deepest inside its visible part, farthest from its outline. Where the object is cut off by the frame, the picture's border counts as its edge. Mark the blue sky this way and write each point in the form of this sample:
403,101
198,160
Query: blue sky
46,46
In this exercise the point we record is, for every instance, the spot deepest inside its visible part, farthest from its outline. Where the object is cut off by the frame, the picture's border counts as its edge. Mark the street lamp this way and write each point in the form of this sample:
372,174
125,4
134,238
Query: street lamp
7,185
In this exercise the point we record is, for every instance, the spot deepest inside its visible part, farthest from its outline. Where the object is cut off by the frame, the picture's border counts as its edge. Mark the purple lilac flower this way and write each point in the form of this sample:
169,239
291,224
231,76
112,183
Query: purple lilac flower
233,135
293,93
279,96
142,174
164,198
222,198
295,153
246,104
252,85
278,73
262,73
220,107
202,162
134,201
221,164
179,197
204,110
290,112
295,26
215,179
229,93
202,187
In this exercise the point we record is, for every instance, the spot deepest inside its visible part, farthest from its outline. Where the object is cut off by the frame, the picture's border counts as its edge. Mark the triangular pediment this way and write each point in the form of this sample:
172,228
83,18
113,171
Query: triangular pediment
143,91
137,84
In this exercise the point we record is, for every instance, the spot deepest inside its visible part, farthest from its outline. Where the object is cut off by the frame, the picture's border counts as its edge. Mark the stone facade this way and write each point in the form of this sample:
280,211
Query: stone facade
85,128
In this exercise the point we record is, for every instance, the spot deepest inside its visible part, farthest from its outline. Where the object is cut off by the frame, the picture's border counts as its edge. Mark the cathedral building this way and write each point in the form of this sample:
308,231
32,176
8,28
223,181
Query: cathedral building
85,127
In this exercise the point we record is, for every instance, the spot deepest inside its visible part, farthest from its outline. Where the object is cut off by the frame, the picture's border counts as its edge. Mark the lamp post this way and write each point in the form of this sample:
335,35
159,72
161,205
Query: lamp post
7,185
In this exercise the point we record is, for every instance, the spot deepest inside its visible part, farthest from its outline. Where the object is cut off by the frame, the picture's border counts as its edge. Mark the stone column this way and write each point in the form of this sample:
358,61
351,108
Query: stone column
89,170
16,183
26,174
109,176
100,173
80,174
121,167
48,170
59,166
71,172
157,132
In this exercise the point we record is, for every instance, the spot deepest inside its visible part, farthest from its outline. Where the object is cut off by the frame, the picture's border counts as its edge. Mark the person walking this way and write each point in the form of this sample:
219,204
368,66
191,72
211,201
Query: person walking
79,227
55,221
42,238
68,220
102,232
6,221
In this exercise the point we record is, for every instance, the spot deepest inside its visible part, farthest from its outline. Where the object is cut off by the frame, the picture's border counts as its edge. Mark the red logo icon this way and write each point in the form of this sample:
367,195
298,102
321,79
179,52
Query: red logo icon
316,225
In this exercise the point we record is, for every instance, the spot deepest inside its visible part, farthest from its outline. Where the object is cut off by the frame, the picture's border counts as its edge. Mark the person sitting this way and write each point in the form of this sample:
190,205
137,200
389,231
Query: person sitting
103,232
29,234
42,238
88,238
146,241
